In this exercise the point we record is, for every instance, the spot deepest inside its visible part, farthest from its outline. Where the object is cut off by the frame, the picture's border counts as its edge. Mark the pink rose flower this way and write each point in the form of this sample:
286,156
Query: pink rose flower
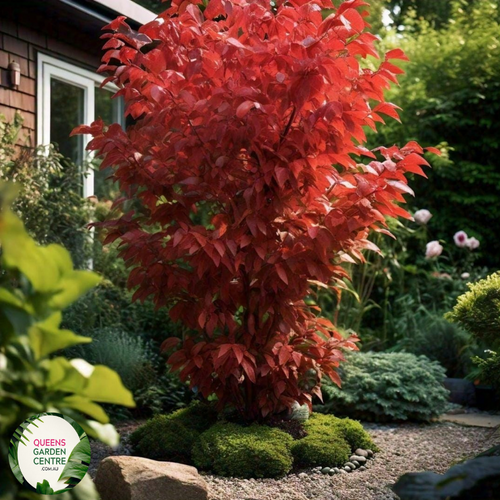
472,243
422,217
433,249
460,239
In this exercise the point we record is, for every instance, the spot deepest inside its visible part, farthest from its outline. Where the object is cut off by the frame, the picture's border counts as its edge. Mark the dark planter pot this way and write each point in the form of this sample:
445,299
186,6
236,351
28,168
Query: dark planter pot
462,391
487,398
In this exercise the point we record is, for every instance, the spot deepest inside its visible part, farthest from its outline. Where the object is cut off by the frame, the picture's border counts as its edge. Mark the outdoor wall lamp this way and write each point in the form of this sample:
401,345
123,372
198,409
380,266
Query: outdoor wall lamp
15,74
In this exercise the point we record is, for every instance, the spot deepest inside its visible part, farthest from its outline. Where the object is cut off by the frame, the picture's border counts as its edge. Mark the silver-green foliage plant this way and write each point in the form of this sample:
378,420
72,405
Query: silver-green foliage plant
36,284
301,413
132,357
387,387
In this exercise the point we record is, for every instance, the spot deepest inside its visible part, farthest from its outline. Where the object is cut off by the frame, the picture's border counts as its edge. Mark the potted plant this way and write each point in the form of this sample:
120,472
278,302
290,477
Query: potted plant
487,383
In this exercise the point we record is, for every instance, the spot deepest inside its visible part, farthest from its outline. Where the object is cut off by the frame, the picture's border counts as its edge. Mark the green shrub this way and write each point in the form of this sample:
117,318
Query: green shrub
171,437
387,386
442,105
478,310
197,417
50,201
440,341
232,450
109,306
166,394
488,369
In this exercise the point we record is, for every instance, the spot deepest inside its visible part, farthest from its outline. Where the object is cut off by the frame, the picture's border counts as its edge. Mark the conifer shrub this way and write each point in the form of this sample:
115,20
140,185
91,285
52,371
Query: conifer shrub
478,310
387,387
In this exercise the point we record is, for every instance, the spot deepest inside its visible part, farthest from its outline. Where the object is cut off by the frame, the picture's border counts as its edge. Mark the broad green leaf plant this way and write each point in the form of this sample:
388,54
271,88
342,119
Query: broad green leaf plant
36,284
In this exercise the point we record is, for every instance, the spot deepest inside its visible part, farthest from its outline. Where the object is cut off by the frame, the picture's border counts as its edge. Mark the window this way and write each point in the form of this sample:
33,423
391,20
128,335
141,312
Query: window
69,96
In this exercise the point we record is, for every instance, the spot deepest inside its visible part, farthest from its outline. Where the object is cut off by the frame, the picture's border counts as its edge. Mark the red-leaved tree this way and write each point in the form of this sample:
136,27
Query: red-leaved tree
253,114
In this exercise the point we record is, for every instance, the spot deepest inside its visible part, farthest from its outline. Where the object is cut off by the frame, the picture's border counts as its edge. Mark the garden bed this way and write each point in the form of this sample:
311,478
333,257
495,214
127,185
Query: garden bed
405,448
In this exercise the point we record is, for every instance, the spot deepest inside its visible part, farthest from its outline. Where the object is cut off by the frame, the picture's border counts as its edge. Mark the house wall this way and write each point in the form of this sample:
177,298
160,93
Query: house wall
21,37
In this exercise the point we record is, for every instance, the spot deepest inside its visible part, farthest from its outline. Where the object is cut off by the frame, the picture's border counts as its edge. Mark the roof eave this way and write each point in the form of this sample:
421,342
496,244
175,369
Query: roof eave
129,9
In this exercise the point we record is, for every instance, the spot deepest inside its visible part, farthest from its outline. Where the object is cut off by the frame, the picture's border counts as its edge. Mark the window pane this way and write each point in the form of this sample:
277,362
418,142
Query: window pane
106,108
110,110
66,112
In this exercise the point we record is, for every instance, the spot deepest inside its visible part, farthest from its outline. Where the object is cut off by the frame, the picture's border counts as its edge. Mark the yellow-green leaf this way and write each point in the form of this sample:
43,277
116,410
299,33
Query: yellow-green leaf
63,376
46,338
86,406
72,286
105,386
22,253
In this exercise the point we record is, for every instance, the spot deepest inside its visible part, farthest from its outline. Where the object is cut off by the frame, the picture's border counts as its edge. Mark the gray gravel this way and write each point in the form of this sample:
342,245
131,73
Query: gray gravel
405,448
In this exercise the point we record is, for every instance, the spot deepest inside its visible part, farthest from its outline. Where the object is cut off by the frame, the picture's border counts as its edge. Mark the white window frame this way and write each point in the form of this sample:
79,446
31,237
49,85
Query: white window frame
50,67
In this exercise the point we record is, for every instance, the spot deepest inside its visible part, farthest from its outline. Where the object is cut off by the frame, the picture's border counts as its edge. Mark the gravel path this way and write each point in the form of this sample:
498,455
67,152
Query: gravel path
405,448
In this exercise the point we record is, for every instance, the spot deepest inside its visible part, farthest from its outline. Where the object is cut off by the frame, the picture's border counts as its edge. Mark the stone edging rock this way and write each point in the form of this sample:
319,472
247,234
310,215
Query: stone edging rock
357,461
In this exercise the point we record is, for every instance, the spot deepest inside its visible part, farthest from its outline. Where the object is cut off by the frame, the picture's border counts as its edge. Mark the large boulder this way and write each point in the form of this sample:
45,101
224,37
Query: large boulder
136,478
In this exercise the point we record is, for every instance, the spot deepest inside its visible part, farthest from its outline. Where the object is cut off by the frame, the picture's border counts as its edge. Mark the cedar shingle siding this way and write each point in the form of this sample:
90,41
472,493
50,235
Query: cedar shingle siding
22,35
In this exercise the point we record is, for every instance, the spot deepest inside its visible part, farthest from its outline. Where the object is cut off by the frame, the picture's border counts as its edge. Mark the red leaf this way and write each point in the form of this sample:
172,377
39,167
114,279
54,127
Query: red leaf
396,54
244,108
388,109
355,20
238,352
282,273
224,349
433,150
279,388
284,355
169,343
249,370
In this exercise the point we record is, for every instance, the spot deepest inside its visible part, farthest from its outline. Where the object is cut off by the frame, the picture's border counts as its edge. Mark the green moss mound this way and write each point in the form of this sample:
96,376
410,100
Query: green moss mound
330,441
246,452
316,450
355,435
171,437
351,430
193,436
